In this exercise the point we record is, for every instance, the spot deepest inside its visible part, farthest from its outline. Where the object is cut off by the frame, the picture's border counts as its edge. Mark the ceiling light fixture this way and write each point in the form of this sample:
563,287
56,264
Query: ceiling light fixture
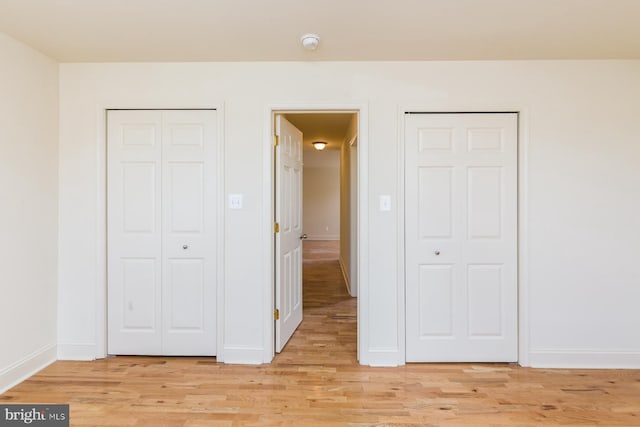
319,145
310,41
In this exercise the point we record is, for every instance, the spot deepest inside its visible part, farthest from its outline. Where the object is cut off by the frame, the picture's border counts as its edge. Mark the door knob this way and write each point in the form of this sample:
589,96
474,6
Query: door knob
437,252
304,236
185,246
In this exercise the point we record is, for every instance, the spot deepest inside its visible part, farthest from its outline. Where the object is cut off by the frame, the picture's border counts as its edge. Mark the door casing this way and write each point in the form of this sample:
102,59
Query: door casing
100,350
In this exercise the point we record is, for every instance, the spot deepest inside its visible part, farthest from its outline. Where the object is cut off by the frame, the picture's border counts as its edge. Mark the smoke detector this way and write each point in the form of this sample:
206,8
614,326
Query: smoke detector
310,41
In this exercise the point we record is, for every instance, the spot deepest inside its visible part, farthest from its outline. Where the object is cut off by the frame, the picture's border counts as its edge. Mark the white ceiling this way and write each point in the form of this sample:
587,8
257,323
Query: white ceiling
350,30
328,127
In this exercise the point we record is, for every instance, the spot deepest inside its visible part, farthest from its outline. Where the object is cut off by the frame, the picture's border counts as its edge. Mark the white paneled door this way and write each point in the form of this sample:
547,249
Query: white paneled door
162,194
289,237
461,237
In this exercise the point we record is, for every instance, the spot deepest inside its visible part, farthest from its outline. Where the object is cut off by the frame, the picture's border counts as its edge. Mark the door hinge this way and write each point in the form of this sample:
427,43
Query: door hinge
276,314
276,140
276,227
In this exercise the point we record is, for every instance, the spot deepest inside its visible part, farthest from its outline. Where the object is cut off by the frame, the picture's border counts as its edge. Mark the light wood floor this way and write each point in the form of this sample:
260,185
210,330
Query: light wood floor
316,381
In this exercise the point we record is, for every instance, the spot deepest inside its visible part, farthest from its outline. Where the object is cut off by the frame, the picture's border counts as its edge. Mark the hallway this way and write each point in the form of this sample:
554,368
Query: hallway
328,328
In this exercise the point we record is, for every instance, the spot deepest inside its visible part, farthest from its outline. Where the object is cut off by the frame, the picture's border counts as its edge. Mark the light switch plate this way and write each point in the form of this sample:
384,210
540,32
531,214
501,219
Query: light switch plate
385,203
235,201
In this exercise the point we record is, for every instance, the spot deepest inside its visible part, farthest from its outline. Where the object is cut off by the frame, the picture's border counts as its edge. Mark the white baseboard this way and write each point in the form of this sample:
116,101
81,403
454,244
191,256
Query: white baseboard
19,371
584,359
244,355
76,351
347,282
386,357
323,237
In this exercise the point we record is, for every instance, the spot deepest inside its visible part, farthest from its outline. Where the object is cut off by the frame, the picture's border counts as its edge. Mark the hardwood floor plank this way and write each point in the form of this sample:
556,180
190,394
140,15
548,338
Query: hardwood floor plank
317,381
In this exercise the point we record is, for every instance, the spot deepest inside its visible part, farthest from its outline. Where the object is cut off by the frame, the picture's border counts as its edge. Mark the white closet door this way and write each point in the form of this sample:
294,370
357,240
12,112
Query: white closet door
134,152
188,233
162,232
461,237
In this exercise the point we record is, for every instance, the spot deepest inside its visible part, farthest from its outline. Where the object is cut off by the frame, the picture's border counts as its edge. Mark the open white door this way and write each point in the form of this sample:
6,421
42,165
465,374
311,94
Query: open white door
288,238
461,237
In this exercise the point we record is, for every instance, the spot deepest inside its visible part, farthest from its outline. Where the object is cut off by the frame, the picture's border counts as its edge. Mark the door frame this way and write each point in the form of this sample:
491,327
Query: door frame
268,238
522,198
101,219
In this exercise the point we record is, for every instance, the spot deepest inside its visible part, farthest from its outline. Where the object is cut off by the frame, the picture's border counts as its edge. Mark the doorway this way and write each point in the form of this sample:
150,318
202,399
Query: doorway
325,207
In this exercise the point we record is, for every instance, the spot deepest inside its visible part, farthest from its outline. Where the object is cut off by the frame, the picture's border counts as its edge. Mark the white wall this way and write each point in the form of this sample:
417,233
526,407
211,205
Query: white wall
28,214
321,197
347,243
580,235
